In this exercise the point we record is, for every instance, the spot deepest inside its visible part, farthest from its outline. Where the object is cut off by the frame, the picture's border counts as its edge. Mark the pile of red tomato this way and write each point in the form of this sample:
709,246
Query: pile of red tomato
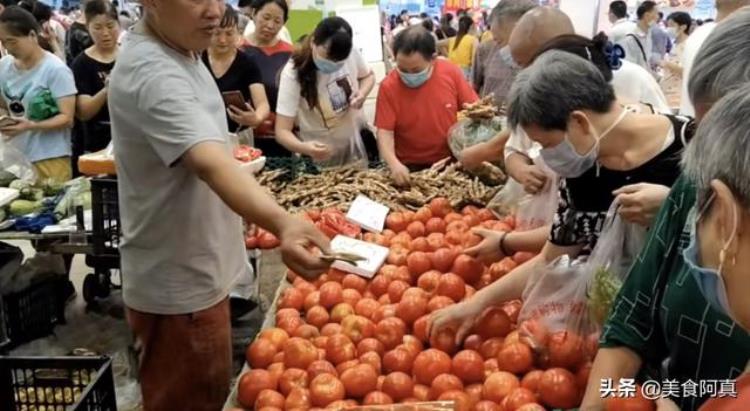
330,222
342,340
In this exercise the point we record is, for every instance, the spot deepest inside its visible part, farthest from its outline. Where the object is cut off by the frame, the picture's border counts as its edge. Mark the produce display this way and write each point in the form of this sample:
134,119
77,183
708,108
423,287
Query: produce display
338,187
246,153
342,341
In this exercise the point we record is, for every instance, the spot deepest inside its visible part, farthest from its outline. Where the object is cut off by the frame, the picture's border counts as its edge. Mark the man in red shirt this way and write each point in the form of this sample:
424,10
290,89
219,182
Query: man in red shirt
417,105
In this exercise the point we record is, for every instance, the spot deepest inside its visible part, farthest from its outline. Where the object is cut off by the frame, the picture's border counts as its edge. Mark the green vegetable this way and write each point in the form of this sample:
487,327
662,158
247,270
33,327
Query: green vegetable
19,184
24,207
3,215
602,293
32,194
52,187
6,177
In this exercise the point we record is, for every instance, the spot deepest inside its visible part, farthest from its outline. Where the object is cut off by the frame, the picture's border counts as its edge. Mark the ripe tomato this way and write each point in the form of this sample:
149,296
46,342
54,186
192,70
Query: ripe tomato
286,312
491,347
317,316
416,229
459,226
291,378
398,360
320,367
468,365
331,294
346,365
402,240
424,214
531,380
438,302
418,263
519,397
468,268
454,238
351,296
444,340
452,286
366,307
443,383
415,292
485,405
429,281
557,388
298,399
396,290
341,311
371,344
516,358
440,207
306,331
535,332
413,344
311,300
260,353
325,389
421,392
357,328
330,329
473,342
390,332
475,393
396,222
461,400
379,285
299,353
354,282
359,380
276,335
635,403
435,225
429,364
251,384
494,322
420,328
436,240
443,259
499,385
377,398
383,312
410,309
420,244
340,348
398,386
566,350
471,220
269,398
372,359
512,308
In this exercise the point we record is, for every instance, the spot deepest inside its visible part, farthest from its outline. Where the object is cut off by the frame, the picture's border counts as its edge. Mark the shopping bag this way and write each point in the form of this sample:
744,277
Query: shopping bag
554,320
468,132
538,210
14,165
506,201
615,251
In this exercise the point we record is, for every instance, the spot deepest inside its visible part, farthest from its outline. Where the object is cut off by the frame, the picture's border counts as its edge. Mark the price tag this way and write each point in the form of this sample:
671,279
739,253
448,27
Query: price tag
375,256
367,214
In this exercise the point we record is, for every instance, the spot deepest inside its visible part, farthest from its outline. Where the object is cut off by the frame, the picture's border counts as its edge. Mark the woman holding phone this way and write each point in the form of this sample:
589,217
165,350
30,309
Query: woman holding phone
237,76
39,92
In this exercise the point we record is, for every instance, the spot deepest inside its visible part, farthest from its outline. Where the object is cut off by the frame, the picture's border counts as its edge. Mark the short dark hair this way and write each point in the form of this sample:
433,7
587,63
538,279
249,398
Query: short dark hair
19,22
423,15
619,8
95,8
428,25
230,19
592,50
258,5
682,19
41,12
338,34
644,8
245,3
415,40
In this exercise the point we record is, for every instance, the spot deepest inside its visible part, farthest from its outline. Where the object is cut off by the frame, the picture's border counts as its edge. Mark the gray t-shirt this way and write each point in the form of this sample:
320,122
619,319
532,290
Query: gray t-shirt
182,246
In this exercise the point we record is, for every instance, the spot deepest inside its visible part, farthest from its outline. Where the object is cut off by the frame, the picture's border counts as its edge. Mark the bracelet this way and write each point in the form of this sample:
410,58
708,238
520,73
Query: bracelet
502,244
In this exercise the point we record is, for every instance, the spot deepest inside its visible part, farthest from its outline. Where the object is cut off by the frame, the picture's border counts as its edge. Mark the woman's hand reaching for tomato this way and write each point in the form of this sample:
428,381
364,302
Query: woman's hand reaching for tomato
489,250
462,314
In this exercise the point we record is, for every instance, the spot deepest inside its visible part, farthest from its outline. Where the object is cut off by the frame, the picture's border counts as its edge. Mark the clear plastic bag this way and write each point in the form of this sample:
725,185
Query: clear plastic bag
538,210
467,132
15,162
610,261
506,201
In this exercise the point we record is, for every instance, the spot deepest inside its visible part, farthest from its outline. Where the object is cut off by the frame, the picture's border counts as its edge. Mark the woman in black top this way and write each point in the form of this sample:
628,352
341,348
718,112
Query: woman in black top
91,70
235,71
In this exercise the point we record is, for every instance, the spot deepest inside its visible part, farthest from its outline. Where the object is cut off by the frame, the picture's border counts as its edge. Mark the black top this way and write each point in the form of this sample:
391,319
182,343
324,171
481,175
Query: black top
90,75
271,60
585,200
446,33
241,74
76,41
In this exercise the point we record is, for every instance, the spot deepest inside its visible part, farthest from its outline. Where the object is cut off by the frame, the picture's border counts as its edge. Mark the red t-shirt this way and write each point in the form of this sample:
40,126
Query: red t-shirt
741,403
420,117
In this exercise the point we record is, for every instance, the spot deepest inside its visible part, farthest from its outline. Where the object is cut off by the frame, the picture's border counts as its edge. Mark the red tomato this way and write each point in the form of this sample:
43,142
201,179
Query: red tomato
566,350
251,242
341,311
251,384
410,309
398,385
398,360
418,263
534,330
340,348
438,302
468,365
260,353
311,300
306,331
440,207
383,312
635,403
402,240
357,328
291,298
499,385
471,220
415,292
299,353
395,221
429,281
473,342
429,364
351,296
516,358
443,260
359,380
372,359
291,378
421,392
454,238
486,406
269,398
379,285
452,286
325,389
346,365
444,340
396,290
317,316
366,307
485,214
412,343
331,293
424,214
390,332
512,308
519,397
493,323
330,329
320,367
276,369
443,383
491,347
436,240
435,225
420,244
377,398
371,344
320,342
459,226
420,328
416,229
298,399
276,335
531,380
557,388
267,240
461,400
468,268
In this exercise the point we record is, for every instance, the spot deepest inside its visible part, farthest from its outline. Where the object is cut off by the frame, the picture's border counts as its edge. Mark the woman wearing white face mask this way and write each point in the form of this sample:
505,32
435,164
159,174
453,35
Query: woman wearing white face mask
678,26
596,146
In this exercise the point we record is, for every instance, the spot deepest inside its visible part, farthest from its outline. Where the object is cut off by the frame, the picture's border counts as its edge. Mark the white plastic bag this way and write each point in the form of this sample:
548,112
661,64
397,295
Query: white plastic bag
618,246
15,162
506,201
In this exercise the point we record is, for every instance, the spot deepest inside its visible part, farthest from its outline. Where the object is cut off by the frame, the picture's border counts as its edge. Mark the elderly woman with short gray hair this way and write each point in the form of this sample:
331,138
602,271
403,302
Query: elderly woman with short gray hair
672,317
595,145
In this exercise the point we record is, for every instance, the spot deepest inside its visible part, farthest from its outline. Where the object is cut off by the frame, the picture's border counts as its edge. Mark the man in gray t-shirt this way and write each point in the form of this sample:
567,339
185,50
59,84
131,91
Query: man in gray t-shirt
182,200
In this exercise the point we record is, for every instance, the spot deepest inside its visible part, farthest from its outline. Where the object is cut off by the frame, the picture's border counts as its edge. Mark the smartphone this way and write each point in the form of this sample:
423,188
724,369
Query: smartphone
6,121
234,98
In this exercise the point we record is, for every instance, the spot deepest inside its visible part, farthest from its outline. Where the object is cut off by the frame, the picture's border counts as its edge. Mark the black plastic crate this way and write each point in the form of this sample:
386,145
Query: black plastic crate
57,384
35,311
106,231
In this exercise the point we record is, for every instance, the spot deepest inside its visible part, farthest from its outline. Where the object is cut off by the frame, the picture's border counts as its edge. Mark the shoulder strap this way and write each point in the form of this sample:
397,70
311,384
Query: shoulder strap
640,46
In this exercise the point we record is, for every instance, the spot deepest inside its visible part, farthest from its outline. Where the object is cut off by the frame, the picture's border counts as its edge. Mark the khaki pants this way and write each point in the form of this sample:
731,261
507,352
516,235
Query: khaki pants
185,360
58,169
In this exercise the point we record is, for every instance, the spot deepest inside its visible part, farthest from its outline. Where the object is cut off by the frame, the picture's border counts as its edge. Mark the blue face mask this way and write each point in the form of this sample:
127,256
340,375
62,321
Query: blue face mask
507,58
567,163
326,66
414,80
709,280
